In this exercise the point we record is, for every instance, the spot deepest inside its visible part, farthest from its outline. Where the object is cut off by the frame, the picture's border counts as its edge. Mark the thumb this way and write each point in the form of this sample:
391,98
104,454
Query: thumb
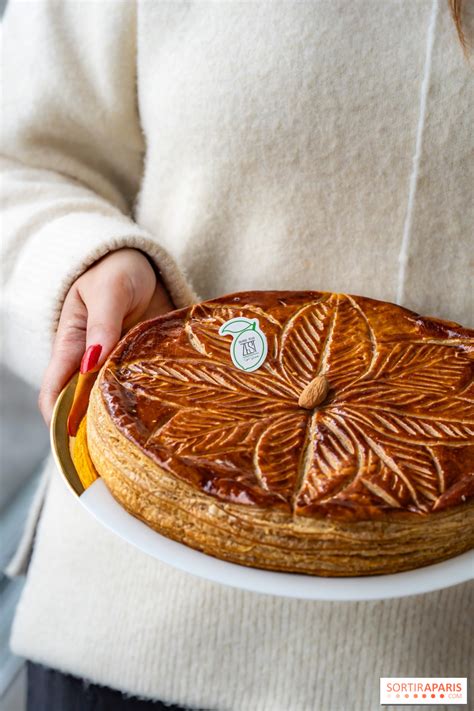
105,315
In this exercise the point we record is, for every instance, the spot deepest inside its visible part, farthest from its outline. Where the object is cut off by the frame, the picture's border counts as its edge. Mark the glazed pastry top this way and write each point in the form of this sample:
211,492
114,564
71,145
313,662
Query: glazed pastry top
389,431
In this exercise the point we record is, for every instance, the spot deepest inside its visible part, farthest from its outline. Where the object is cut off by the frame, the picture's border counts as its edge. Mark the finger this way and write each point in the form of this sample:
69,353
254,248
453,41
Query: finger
105,316
68,349
160,303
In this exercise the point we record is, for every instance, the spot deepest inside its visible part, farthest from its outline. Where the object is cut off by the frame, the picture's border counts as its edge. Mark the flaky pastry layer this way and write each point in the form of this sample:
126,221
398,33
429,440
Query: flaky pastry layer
264,537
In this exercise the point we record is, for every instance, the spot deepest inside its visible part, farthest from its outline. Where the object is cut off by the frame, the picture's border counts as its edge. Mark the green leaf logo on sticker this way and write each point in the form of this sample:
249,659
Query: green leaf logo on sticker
249,346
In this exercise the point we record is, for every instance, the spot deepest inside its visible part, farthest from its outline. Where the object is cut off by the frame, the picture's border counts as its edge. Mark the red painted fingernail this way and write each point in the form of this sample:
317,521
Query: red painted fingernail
90,358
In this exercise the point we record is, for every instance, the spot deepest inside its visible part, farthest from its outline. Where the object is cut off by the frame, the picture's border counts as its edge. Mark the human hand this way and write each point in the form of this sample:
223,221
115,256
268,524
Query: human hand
113,295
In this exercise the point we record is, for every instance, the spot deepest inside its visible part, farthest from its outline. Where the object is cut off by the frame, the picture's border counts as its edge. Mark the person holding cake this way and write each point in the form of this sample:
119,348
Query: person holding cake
156,154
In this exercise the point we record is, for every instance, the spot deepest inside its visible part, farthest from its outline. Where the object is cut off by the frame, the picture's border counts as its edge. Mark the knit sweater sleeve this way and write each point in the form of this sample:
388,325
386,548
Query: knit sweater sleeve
72,155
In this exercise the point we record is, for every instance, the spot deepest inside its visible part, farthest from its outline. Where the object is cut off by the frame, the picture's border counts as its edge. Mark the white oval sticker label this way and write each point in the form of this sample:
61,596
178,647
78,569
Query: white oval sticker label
249,347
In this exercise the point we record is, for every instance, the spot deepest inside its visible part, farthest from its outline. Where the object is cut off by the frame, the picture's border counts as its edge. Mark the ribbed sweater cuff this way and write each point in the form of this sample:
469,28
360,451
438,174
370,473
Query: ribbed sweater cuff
49,264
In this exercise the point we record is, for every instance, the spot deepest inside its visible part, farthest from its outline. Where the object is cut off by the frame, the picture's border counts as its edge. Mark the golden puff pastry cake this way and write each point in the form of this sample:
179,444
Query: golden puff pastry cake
306,432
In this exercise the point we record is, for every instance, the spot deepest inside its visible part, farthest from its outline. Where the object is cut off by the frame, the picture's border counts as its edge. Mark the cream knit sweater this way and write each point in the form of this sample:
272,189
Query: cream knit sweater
242,145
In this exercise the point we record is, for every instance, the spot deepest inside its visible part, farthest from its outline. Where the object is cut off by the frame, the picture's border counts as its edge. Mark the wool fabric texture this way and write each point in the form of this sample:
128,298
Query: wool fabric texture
241,145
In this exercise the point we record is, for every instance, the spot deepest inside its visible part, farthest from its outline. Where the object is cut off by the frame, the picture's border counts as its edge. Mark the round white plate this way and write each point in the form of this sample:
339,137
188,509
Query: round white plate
98,500
100,503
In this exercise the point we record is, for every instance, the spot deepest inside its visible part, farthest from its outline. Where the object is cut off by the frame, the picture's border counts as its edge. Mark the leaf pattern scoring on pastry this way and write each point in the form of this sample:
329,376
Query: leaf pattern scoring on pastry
395,432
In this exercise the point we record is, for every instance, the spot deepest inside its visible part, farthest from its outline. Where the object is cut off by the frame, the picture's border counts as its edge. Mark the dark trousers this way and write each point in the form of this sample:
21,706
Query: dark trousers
50,690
